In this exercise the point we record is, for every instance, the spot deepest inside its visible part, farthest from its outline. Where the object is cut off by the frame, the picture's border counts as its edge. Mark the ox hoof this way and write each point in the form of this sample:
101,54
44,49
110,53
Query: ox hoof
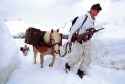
34,62
50,65
41,66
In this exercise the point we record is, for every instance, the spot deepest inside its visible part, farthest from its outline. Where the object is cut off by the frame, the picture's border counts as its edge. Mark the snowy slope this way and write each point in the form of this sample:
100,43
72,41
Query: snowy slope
9,55
8,48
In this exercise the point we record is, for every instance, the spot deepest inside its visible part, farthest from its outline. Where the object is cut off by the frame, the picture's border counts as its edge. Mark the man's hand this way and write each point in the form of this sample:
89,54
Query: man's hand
74,37
91,30
87,35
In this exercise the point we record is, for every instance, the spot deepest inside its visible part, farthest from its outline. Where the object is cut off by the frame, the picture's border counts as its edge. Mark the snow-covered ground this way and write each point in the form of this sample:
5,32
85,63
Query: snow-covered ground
107,67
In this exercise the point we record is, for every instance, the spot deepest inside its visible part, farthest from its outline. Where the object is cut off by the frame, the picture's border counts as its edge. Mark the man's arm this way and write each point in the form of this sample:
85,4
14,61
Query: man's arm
88,34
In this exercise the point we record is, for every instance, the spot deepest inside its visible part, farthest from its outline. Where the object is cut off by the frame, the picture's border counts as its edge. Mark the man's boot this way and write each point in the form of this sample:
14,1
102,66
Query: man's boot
80,73
67,67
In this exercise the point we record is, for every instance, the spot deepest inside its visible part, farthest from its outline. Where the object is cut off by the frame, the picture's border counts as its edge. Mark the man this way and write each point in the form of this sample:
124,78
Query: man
81,50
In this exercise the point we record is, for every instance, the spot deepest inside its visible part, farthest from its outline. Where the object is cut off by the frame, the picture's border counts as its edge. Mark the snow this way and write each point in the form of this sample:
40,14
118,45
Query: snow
101,70
9,55
108,63
8,49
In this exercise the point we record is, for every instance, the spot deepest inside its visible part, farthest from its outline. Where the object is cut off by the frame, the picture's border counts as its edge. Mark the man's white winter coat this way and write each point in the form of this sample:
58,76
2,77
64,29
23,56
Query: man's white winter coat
81,52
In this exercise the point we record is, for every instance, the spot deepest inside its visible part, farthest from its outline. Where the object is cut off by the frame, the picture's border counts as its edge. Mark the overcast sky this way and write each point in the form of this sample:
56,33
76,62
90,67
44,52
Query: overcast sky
43,12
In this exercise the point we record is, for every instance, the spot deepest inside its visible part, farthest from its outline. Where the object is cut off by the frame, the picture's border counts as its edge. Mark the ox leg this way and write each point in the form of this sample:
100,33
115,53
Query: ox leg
41,60
53,60
35,54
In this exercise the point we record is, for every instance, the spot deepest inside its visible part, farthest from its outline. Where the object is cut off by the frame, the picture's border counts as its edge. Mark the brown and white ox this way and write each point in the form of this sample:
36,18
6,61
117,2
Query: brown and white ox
50,45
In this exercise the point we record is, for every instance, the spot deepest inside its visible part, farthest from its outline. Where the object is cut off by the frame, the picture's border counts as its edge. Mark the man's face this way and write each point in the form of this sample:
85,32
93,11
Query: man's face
94,13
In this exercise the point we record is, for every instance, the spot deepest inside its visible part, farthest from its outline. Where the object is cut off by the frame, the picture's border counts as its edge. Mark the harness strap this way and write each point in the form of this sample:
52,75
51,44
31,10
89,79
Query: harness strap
74,36
86,16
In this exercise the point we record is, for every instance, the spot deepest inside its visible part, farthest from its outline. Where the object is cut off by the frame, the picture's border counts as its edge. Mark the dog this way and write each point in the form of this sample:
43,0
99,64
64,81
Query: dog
24,50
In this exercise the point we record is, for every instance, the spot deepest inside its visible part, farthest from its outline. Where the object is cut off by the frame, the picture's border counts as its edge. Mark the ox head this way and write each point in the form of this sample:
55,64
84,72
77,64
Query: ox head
56,40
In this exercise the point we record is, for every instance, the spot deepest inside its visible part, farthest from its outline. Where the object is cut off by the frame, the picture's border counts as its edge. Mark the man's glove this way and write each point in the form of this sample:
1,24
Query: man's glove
83,37
87,35
90,32
74,37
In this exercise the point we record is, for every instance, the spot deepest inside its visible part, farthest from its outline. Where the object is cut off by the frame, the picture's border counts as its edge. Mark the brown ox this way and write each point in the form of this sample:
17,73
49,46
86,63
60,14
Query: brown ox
50,44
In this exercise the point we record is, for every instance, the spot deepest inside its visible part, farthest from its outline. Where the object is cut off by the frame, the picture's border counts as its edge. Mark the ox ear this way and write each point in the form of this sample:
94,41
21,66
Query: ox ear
52,31
57,30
